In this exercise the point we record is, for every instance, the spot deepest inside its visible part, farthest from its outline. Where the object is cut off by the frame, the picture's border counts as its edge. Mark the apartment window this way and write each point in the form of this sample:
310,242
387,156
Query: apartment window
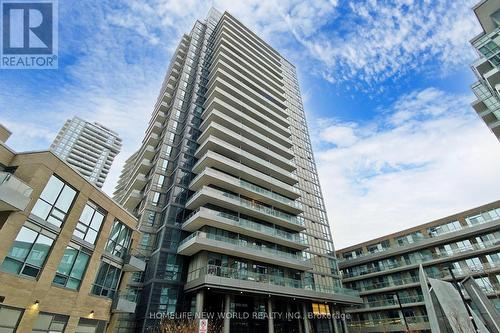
54,202
106,280
90,222
320,309
489,49
9,319
485,284
445,228
119,239
28,253
86,325
72,268
155,199
50,323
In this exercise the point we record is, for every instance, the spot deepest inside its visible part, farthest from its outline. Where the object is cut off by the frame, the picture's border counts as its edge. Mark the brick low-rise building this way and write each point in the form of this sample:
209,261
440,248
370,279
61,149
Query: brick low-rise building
66,248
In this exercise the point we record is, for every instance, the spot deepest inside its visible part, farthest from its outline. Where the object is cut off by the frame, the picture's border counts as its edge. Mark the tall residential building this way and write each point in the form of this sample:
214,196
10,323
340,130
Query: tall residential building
487,67
66,249
88,147
386,270
227,193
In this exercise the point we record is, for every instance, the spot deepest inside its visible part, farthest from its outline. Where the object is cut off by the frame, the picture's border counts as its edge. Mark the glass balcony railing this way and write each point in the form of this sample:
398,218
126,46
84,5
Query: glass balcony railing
387,322
272,195
245,245
392,302
264,209
392,283
273,279
436,274
416,241
419,260
15,183
245,223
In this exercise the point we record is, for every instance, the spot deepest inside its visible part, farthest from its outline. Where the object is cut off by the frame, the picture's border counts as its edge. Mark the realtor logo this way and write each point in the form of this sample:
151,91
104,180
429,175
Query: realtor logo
29,34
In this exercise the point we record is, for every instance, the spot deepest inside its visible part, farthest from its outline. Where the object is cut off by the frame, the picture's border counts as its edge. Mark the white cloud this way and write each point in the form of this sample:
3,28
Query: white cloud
437,160
341,135
377,40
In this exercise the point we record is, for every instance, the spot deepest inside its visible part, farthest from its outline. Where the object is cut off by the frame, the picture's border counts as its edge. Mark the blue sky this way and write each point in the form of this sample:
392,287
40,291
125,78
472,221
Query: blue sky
385,86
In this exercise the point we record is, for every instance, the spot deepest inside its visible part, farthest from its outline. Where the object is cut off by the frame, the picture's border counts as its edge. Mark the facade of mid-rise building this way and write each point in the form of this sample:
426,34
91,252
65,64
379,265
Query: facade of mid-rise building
386,270
227,194
66,249
88,147
487,67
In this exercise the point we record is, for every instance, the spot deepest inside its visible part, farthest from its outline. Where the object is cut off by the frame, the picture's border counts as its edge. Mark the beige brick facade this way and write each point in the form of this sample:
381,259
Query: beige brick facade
20,292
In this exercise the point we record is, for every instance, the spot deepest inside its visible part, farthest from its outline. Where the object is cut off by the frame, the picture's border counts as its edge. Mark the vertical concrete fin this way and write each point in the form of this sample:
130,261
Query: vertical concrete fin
431,312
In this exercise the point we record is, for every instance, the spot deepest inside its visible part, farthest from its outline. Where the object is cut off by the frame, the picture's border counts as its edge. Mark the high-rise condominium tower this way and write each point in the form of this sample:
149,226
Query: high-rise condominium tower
88,147
487,67
227,193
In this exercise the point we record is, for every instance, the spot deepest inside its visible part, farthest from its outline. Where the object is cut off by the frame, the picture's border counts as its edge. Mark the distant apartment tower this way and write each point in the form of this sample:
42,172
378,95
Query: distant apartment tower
88,147
385,270
487,67
227,193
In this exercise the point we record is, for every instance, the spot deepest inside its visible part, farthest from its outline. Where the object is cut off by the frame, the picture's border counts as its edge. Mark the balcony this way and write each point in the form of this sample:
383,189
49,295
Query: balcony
139,182
132,263
247,127
124,303
240,87
149,152
387,285
433,258
15,195
250,145
144,166
204,216
249,281
133,199
219,101
389,303
211,176
424,242
416,323
151,139
238,204
217,145
225,91
493,77
203,241
215,160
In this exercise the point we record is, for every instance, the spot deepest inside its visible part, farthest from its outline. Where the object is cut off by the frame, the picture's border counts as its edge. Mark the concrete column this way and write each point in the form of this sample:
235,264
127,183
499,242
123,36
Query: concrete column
334,320
200,298
344,325
72,324
270,319
28,319
227,308
307,328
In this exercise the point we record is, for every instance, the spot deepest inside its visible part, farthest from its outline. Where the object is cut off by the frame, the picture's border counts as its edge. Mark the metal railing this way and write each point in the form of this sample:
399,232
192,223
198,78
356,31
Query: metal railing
416,241
264,209
388,322
244,244
423,259
439,274
273,279
392,301
271,194
245,223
